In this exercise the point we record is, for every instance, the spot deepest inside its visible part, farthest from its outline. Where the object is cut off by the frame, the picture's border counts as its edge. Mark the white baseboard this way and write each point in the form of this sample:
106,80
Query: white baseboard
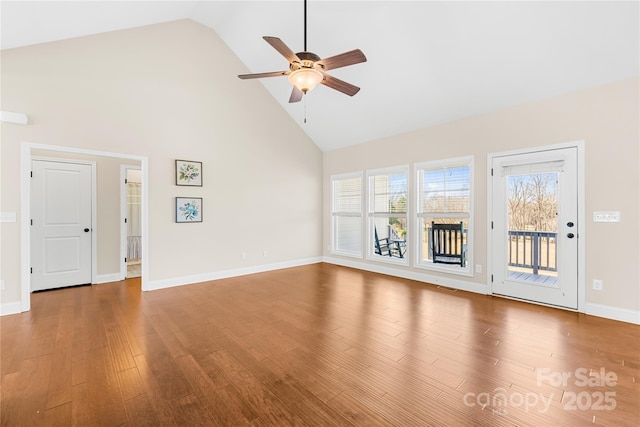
153,285
10,308
463,285
106,278
614,313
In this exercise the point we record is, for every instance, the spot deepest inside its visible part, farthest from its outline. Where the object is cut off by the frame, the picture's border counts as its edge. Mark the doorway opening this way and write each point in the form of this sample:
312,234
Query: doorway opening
131,223
28,151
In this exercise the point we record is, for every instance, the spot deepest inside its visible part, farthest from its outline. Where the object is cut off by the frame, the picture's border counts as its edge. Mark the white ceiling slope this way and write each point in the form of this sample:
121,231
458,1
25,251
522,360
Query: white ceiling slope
429,62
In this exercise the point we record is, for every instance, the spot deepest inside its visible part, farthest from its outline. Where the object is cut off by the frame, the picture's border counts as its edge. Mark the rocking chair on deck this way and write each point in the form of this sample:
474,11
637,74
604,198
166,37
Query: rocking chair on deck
446,243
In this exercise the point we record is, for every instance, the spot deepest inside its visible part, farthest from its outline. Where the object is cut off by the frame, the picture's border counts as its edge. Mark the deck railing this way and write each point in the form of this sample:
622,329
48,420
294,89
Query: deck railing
533,249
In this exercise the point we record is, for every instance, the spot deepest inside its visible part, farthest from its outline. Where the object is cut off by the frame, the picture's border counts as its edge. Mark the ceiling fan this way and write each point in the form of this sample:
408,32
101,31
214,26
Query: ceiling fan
307,70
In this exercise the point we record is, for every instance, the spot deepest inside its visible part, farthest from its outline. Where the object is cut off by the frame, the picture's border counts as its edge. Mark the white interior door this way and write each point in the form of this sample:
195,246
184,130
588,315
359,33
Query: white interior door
535,226
61,229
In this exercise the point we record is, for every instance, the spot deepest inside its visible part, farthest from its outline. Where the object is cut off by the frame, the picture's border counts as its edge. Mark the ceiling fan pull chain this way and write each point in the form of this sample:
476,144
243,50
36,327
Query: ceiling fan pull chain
305,109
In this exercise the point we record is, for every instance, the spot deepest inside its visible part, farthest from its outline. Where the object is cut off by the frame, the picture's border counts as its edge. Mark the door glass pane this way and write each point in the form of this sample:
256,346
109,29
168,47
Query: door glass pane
532,208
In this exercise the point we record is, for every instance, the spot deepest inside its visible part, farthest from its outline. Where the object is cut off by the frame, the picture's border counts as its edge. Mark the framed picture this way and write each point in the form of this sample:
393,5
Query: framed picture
188,173
188,209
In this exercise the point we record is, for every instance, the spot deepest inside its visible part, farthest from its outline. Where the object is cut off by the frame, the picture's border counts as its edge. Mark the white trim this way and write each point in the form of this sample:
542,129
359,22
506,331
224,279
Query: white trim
25,209
388,171
340,176
447,162
462,285
582,220
581,193
614,313
10,308
107,278
224,274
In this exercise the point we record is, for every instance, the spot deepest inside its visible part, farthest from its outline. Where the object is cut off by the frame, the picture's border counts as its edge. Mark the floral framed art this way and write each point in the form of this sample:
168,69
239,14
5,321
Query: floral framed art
188,173
188,209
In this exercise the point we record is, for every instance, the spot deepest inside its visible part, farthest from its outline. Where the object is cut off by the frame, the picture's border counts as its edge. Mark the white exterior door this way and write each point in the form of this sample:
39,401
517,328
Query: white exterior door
535,226
61,230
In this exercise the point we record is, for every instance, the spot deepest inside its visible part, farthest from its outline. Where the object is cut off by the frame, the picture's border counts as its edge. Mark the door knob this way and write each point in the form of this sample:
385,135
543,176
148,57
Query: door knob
570,235
86,230
570,224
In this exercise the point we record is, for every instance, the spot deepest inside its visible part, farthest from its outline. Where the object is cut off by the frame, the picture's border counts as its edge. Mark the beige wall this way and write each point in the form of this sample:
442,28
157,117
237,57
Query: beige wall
169,91
605,118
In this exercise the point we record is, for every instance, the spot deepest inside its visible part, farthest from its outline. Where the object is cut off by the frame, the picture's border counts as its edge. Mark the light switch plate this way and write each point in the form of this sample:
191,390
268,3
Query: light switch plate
600,216
7,217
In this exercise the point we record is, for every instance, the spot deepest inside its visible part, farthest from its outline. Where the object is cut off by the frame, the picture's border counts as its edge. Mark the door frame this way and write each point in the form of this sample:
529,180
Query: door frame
26,156
581,217
94,210
123,215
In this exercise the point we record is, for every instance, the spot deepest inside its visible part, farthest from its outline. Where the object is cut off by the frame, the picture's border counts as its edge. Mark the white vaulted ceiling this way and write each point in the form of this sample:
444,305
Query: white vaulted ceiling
428,62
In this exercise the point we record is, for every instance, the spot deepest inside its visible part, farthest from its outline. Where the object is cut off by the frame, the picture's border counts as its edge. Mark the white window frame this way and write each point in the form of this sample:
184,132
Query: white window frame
333,179
419,216
371,255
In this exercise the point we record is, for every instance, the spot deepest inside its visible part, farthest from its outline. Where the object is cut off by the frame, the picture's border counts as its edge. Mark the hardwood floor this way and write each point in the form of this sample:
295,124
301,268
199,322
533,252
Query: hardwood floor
316,345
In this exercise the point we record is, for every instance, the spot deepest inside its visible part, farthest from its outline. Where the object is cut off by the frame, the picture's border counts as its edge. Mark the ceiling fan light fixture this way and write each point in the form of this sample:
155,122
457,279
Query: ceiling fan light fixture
305,79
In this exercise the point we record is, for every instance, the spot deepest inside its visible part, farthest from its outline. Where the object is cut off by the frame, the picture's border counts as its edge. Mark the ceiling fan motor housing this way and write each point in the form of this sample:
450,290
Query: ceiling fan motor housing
307,60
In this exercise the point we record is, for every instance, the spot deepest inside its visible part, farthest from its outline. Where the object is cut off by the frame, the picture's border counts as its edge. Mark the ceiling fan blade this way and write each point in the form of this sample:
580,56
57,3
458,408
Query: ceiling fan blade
282,48
340,85
296,95
344,59
261,75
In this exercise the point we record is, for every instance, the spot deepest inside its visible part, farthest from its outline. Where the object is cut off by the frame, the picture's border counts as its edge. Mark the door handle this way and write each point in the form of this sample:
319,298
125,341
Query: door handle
86,230
571,235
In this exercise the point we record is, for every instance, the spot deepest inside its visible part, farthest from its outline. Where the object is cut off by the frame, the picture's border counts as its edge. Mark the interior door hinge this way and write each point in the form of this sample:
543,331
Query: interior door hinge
491,171
125,260
125,181
31,174
492,278
125,220
492,225
31,270
31,222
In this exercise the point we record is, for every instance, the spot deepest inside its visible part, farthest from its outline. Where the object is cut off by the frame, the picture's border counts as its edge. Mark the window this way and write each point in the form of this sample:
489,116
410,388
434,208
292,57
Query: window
387,209
444,196
346,214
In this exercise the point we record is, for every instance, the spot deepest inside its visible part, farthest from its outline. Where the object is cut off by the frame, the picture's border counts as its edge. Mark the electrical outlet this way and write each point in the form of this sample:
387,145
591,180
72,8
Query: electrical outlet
264,253
597,284
244,255
1,285
478,268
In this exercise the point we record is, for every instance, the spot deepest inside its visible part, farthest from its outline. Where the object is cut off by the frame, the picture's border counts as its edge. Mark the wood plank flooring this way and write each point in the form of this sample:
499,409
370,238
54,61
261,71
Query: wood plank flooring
317,345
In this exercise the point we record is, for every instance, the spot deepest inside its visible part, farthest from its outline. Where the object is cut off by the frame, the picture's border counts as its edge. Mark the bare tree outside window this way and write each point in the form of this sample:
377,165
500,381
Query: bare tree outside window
533,222
533,202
